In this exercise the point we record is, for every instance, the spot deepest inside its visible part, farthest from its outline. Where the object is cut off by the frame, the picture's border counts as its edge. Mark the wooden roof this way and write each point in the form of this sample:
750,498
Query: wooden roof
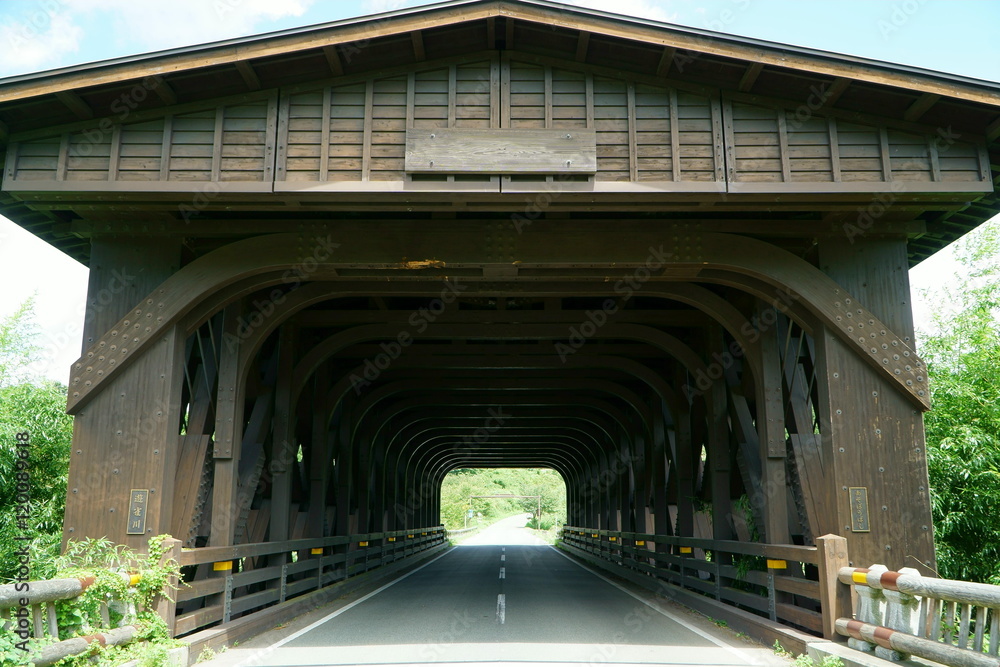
390,41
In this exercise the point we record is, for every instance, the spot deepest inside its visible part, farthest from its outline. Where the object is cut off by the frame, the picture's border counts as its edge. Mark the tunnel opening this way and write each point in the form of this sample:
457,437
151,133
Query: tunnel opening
476,498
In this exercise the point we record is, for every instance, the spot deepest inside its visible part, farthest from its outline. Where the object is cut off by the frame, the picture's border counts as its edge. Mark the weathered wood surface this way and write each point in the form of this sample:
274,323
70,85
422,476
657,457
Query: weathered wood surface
508,151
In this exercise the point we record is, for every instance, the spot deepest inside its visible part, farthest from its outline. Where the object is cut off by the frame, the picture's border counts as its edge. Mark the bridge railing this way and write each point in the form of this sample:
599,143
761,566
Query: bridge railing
784,583
39,620
898,614
239,580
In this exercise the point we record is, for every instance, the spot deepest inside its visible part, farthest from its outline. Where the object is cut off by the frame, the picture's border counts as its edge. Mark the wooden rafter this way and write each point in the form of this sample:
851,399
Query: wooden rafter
582,44
164,91
666,59
833,93
920,107
749,77
417,38
75,104
248,74
333,60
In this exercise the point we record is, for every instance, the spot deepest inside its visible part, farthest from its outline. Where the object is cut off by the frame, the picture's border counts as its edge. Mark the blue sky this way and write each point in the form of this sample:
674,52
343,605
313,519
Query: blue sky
956,36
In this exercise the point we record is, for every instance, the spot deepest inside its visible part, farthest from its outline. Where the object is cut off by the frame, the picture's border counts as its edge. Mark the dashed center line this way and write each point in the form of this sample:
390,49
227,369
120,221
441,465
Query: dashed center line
502,558
503,573
501,608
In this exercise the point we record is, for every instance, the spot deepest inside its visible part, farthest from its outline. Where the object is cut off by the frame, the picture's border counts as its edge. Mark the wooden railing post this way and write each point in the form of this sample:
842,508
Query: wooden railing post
834,597
166,604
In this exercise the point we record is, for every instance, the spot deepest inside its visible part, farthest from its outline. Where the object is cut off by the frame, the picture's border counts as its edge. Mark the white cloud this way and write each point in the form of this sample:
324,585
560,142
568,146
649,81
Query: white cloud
160,25
38,39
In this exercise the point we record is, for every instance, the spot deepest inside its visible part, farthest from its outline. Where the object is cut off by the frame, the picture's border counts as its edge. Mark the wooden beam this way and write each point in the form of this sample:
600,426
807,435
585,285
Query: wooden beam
417,37
834,92
164,91
920,107
750,76
248,74
4,131
75,104
333,60
582,43
509,32
491,33
993,130
666,59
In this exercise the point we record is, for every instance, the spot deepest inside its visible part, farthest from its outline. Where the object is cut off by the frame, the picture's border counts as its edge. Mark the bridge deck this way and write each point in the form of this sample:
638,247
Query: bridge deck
501,599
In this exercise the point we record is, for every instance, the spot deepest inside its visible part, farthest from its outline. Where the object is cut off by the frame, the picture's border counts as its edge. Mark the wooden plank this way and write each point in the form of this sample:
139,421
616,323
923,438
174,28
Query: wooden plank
116,150
495,95
589,92
452,95
633,153
63,157
505,90
417,39
271,138
985,173
834,92
883,137
366,146
324,134
675,138
281,153
548,97
920,106
932,154
474,151
168,130
75,104
582,44
220,113
248,75
786,168
333,60
666,60
718,139
729,141
834,149
749,77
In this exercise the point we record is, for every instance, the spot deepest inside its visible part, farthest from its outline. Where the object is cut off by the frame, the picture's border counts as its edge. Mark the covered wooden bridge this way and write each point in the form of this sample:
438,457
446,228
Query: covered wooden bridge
330,265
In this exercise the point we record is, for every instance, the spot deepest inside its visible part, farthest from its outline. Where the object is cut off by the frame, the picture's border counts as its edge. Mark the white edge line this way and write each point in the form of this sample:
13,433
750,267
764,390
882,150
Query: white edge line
347,607
738,653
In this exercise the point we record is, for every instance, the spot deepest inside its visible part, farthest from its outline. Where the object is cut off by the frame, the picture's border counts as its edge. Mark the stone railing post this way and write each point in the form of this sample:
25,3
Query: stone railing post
899,609
869,607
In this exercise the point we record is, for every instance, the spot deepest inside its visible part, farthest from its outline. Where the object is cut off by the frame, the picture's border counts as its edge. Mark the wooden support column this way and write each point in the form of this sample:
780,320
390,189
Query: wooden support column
687,460
228,433
123,271
128,438
319,457
283,445
872,434
718,446
125,439
771,432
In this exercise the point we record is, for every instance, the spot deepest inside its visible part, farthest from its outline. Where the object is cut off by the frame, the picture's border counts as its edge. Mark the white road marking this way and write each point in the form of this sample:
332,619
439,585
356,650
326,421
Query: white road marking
502,558
503,573
503,549
740,654
258,656
501,608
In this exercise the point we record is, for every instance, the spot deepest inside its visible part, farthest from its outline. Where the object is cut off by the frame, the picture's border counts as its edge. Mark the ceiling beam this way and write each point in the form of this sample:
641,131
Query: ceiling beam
582,44
164,91
833,93
417,37
993,129
333,60
75,104
666,59
920,107
4,131
248,74
750,77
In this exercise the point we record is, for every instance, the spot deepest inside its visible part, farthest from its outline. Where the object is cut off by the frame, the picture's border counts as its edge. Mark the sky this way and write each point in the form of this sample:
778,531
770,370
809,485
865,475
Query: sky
955,36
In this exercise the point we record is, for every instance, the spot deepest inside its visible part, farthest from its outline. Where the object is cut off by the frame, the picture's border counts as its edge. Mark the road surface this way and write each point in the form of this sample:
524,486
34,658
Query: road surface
482,603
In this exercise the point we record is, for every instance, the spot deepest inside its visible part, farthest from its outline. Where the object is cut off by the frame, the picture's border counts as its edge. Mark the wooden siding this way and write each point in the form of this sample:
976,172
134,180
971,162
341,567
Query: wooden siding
350,134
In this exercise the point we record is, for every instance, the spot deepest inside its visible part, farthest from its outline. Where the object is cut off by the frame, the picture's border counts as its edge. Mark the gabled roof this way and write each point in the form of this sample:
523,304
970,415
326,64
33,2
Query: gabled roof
399,39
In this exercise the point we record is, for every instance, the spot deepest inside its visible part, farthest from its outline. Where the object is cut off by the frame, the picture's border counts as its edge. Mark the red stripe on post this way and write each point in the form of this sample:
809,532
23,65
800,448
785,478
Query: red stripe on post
888,580
883,635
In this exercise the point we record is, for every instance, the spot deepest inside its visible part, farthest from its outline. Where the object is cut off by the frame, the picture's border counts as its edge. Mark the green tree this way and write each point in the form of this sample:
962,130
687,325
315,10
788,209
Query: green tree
36,407
963,426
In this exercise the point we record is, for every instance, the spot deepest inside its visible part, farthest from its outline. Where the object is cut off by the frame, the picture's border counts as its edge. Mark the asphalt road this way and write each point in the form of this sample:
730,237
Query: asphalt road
488,603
